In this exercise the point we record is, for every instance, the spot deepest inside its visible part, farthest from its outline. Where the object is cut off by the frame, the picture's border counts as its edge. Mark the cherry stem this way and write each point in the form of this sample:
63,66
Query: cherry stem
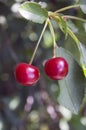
66,8
74,17
53,36
38,42
72,35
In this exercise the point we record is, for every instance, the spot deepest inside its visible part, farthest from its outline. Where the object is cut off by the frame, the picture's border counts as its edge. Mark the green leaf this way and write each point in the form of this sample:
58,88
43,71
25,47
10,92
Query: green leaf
72,48
33,11
83,5
82,50
76,123
72,87
81,36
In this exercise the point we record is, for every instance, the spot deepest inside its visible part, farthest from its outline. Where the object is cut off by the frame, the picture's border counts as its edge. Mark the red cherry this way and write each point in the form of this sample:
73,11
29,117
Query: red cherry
56,68
26,74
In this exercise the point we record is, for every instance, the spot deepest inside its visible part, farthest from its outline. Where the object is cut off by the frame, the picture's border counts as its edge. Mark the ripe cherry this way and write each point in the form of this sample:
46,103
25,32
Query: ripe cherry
56,68
26,74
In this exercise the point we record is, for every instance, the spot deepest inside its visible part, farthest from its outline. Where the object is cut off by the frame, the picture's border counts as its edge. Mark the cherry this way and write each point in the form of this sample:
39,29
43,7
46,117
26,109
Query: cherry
26,74
56,68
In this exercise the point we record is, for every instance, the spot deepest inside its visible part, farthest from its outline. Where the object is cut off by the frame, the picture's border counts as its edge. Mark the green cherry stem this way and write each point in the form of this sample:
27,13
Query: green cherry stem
72,35
46,23
53,36
73,17
66,8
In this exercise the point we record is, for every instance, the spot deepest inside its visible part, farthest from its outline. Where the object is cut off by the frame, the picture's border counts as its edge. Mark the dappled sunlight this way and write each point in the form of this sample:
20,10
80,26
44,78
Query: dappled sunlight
64,125
83,121
14,103
15,7
51,112
65,112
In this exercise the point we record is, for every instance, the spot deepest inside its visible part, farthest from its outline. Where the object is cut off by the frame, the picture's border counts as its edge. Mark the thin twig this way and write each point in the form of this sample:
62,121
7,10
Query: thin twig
74,17
66,8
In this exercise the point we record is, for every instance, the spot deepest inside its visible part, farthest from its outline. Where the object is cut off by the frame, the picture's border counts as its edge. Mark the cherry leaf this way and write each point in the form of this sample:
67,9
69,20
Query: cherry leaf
82,50
33,11
72,87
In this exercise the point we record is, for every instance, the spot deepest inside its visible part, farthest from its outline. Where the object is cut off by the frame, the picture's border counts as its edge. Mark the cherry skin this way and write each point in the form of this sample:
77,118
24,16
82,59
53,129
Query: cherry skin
56,68
26,74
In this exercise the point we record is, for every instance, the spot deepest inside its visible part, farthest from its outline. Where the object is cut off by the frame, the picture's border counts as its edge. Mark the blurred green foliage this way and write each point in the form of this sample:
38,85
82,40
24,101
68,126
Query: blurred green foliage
33,108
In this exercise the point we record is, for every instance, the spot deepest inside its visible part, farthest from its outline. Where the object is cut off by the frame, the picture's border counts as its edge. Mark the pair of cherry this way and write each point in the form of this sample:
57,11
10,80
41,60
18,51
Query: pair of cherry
55,68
